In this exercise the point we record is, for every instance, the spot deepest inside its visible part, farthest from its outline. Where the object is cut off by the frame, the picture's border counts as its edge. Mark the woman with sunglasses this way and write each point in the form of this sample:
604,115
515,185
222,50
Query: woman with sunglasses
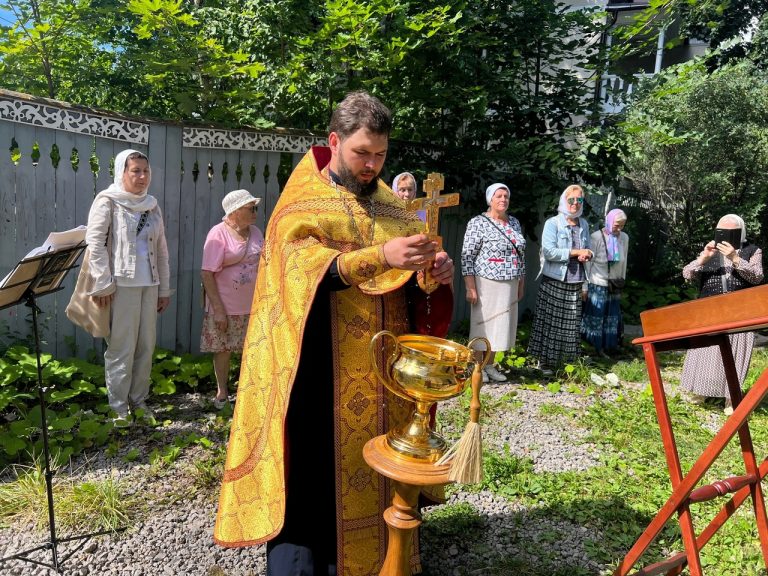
565,247
230,263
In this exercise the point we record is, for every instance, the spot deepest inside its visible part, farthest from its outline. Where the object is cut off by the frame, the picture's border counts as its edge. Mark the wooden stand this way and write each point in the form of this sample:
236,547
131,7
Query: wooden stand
402,517
704,322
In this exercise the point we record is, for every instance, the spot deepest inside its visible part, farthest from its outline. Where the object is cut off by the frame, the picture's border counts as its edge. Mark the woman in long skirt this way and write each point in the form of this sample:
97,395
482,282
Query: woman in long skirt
721,267
565,247
606,272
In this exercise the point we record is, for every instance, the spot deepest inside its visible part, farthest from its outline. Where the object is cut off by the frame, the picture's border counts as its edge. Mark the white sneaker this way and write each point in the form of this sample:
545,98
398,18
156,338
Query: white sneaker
494,374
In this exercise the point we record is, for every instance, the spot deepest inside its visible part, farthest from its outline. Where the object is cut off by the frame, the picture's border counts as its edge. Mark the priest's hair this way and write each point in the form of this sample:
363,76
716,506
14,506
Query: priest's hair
360,110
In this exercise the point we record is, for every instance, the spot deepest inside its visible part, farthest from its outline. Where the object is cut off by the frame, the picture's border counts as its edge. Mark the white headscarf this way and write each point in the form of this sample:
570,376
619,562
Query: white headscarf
562,207
399,177
736,219
116,192
491,190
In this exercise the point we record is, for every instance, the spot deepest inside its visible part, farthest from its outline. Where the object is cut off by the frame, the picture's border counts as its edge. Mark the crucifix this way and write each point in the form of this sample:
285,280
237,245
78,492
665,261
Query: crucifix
431,204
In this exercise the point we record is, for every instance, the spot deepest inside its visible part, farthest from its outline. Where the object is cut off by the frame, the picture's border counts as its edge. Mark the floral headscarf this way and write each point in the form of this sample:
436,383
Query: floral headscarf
612,246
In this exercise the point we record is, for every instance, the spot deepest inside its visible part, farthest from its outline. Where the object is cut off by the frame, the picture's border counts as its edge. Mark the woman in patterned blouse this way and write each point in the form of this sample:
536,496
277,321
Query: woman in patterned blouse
493,266
718,269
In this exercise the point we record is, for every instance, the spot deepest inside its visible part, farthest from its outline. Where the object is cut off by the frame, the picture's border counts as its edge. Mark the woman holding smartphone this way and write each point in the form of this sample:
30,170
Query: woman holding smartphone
726,264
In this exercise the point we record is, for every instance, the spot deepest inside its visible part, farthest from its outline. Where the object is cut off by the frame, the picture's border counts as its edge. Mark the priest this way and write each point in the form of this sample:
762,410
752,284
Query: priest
343,258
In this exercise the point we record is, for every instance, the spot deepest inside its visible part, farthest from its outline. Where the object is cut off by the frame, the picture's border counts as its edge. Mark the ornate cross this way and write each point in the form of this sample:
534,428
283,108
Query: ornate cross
433,202
431,205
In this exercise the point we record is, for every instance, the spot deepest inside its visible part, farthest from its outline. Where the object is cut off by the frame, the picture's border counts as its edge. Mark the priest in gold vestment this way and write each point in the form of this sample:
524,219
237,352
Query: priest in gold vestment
340,263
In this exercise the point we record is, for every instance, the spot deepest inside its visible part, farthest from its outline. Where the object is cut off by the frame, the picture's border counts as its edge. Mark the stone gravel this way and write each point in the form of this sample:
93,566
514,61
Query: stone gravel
170,532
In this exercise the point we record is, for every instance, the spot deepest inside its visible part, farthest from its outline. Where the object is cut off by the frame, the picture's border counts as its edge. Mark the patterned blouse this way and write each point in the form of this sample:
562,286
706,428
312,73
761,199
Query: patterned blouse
493,250
719,272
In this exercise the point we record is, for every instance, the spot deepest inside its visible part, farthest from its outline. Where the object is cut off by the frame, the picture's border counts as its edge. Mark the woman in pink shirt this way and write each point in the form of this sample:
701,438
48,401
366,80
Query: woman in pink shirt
230,263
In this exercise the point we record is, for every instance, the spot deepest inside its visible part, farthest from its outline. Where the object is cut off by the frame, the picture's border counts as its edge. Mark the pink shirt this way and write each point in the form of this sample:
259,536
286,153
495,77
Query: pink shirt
234,264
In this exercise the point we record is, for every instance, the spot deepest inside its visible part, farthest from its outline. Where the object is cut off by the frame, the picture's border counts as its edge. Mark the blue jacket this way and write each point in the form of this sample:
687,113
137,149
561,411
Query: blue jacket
556,246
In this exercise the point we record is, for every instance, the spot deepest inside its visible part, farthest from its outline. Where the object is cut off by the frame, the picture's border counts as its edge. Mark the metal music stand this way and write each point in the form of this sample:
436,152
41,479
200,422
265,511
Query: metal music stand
33,277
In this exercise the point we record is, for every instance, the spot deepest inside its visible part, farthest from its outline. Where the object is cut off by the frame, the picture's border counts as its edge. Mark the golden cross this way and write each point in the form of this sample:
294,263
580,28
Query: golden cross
433,185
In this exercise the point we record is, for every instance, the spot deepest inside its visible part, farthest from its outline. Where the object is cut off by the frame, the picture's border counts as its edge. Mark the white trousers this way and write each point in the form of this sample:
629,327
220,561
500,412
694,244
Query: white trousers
130,346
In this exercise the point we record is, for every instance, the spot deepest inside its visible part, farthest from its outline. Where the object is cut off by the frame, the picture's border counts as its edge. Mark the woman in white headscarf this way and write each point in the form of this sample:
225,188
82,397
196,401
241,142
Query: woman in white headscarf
129,264
565,247
493,267
404,186
720,268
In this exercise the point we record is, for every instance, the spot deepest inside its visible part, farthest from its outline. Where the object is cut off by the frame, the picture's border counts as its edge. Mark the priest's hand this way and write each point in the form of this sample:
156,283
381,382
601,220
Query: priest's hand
442,269
410,252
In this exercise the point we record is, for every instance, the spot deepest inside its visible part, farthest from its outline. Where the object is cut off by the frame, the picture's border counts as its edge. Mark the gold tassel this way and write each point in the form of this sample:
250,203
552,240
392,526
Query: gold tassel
466,456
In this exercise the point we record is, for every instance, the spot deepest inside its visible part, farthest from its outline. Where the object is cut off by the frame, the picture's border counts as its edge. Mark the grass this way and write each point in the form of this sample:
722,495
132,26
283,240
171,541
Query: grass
99,504
618,498
614,501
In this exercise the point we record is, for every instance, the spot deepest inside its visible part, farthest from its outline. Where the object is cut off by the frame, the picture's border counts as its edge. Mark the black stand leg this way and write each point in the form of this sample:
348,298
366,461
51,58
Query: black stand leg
53,542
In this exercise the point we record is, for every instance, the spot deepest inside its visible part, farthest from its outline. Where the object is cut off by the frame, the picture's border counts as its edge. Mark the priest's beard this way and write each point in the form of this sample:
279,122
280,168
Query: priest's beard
351,183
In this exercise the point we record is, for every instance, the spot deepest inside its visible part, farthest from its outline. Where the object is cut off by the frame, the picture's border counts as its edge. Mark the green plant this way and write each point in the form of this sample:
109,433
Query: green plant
638,296
634,371
209,469
98,504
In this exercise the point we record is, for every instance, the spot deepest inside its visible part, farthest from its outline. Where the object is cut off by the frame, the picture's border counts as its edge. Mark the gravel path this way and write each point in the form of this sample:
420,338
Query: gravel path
171,531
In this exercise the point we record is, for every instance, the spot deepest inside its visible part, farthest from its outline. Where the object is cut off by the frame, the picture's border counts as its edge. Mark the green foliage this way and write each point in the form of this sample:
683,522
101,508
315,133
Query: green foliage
638,296
100,504
510,93
634,371
77,412
698,149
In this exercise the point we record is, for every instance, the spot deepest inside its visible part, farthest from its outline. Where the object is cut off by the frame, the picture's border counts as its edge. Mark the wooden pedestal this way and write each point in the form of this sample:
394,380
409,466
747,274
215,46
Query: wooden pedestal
402,517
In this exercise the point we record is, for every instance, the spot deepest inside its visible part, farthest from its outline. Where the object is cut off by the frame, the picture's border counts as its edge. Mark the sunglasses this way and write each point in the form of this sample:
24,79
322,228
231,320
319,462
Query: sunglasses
573,201
254,208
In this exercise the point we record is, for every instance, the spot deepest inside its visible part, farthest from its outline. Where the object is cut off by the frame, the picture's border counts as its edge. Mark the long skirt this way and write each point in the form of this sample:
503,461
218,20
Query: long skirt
601,319
494,316
703,371
555,337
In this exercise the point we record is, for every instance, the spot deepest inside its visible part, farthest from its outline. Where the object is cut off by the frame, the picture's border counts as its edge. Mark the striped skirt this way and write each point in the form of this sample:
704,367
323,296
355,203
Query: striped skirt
601,320
555,338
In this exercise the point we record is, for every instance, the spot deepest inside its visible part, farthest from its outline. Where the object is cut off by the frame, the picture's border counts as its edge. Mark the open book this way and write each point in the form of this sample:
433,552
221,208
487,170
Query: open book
59,240
44,267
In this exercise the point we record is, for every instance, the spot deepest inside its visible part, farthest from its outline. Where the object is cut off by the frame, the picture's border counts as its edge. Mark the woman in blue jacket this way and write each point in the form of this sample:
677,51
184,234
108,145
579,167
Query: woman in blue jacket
555,337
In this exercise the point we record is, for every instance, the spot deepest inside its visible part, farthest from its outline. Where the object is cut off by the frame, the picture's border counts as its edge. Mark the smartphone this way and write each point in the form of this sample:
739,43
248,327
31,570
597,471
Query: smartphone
730,235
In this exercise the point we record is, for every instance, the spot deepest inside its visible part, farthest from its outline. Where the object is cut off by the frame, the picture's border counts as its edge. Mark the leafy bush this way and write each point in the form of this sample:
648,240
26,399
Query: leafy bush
77,411
639,296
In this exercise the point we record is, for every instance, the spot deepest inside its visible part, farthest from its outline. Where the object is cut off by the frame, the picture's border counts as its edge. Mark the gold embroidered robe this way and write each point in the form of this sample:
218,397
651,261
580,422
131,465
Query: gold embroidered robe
309,228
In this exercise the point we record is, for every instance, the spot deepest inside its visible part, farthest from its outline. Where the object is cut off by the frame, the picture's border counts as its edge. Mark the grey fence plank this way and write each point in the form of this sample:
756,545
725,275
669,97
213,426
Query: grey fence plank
172,213
273,186
156,152
58,333
188,277
83,190
9,317
106,150
27,234
203,220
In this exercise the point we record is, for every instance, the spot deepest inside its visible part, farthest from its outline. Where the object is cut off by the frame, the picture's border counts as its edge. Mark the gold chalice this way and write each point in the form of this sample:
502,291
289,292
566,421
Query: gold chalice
423,370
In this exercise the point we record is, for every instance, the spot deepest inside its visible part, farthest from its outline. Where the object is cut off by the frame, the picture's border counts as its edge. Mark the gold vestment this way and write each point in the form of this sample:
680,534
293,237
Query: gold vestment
310,227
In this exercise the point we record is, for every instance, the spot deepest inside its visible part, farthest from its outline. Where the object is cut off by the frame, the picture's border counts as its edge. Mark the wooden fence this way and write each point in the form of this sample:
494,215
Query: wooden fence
55,157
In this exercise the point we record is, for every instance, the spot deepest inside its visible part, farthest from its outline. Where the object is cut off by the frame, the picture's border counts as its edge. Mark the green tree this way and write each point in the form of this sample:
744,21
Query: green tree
505,88
698,149
50,50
